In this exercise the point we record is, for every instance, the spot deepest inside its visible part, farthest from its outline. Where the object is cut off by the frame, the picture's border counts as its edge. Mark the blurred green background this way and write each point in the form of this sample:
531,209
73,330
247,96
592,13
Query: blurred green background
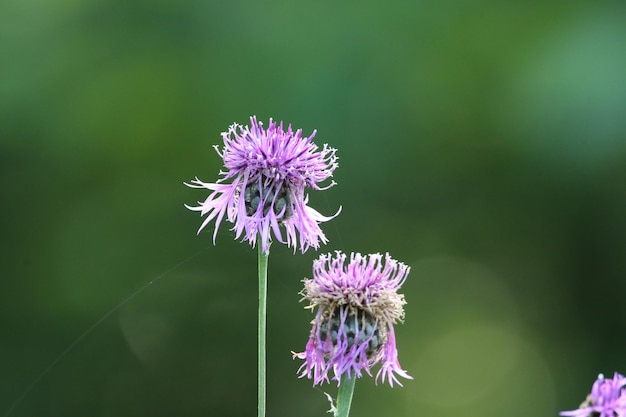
481,142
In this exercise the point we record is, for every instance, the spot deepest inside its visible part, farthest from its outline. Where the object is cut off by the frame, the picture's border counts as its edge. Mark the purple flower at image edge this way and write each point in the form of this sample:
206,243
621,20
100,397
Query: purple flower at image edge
607,399
263,187
357,305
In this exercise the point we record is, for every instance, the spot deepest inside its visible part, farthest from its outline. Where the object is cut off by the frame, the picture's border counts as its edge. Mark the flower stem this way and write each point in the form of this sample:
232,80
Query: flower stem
263,258
344,397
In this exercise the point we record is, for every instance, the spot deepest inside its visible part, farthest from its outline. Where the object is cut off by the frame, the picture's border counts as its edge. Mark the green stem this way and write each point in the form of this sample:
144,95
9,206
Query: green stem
263,258
344,397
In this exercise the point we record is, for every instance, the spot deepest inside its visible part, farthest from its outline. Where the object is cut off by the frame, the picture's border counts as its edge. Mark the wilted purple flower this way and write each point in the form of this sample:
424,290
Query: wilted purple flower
357,306
268,172
607,399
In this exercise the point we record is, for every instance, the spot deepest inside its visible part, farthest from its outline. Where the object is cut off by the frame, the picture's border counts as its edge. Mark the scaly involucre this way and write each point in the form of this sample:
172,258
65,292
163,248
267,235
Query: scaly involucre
263,187
607,399
357,305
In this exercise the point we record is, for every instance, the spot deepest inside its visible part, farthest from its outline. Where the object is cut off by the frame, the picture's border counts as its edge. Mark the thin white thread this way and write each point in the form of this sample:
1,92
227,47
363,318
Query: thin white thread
76,341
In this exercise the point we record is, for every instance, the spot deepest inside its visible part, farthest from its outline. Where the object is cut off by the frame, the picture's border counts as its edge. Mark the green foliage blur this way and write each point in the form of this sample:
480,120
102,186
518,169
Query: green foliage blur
481,142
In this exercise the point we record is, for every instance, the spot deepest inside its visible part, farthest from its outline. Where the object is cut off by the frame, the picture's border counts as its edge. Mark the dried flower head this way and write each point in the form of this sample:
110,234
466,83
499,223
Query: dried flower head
357,306
607,399
268,172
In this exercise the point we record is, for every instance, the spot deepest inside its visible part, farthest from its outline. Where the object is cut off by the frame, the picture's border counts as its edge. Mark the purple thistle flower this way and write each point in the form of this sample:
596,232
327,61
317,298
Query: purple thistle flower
268,172
607,399
357,306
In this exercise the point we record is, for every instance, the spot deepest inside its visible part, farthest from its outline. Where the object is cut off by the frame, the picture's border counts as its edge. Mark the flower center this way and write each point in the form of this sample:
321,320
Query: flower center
280,204
359,328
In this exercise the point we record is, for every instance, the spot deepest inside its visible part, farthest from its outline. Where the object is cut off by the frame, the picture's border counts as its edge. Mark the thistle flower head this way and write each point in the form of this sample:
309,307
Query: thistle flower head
357,305
607,399
263,187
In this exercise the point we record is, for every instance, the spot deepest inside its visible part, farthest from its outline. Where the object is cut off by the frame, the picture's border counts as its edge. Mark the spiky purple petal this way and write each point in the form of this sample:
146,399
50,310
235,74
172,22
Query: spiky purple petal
268,162
607,399
357,305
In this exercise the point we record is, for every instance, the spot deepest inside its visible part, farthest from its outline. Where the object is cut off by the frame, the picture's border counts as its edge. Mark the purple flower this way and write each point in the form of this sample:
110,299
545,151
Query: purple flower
357,306
607,399
268,172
